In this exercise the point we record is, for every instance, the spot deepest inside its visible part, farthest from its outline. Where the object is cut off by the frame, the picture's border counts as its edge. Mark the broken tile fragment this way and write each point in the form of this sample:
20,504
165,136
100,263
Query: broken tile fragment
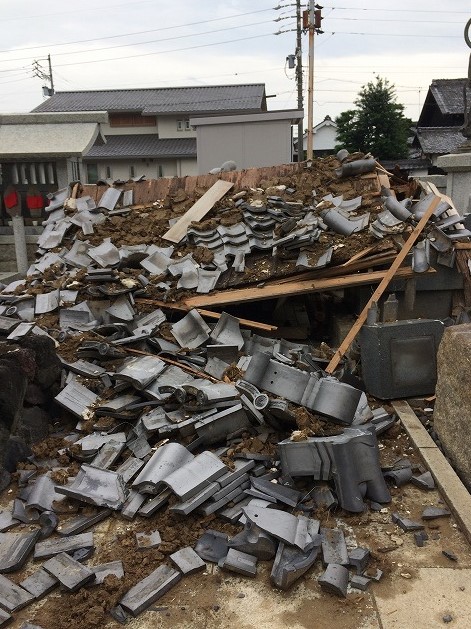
188,561
12,596
212,546
431,513
40,583
406,524
335,580
71,574
359,582
237,561
148,540
51,547
103,570
150,589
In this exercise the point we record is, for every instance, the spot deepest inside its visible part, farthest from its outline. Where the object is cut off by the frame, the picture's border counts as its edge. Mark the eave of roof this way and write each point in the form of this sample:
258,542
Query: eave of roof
142,146
29,141
439,140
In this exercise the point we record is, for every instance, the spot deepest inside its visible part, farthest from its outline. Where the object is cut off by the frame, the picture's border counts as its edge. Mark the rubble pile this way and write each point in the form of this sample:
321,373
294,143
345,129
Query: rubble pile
202,422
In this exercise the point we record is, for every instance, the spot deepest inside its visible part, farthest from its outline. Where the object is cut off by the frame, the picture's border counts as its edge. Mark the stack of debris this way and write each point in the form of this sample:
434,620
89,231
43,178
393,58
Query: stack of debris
196,419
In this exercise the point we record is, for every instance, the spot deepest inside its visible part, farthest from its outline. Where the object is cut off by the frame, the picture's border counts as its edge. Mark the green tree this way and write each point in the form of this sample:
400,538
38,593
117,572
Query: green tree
377,125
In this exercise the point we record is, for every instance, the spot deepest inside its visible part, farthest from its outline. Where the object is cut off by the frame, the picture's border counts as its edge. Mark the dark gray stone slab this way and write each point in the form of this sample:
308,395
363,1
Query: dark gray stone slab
188,561
51,547
71,574
150,589
12,596
40,583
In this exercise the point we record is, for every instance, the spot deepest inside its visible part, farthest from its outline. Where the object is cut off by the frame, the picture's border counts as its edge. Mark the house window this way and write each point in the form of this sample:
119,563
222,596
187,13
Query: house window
92,173
183,124
131,172
132,120
75,171
160,170
108,172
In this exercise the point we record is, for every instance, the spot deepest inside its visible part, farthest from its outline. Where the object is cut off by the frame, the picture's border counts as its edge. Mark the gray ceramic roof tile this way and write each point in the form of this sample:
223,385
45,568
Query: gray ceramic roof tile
143,145
201,99
448,94
440,139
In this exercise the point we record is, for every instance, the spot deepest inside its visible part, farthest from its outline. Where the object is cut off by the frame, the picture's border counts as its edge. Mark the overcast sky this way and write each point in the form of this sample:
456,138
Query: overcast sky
164,43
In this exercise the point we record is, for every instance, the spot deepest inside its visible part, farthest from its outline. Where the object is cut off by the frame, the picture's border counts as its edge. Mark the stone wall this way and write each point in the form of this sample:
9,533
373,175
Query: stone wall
452,415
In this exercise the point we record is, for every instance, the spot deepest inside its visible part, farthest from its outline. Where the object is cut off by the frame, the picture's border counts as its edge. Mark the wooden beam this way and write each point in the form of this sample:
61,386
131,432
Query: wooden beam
248,323
257,293
332,271
387,277
198,210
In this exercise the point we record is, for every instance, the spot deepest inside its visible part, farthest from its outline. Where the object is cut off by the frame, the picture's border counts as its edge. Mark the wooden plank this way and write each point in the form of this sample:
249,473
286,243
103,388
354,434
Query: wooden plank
333,364
455,493
248,323
198,210
258,293
462,245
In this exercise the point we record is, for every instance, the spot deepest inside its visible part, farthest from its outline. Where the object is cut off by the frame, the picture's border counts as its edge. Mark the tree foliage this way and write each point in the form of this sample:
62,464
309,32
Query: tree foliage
377,125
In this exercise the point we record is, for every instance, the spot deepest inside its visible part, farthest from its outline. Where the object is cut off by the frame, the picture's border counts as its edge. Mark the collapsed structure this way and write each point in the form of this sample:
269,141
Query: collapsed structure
229,420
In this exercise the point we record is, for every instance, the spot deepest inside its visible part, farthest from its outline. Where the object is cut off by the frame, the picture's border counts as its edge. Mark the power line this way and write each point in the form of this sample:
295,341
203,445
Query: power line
152,41
153,30
163,52
395,10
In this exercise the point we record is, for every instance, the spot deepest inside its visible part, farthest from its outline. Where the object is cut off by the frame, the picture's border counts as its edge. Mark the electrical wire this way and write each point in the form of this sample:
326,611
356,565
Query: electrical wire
153,30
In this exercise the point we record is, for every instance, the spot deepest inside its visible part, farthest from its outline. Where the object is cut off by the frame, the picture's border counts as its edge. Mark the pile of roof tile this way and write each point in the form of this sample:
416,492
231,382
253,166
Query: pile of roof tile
167,413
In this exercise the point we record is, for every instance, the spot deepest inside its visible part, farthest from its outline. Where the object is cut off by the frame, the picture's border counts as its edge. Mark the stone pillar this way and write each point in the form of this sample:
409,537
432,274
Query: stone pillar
458,188
452,414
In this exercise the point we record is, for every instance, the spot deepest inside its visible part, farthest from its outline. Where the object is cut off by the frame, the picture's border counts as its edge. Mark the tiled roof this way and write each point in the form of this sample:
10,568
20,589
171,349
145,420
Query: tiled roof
440,140
448,94
145,145
167,100
406,164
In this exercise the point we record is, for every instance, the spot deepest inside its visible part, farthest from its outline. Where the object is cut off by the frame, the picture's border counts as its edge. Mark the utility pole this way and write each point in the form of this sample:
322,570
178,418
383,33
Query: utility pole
299,78
314,18
41,74
310,89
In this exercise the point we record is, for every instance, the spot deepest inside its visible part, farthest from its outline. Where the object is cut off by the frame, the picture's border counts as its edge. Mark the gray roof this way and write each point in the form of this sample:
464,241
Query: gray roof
165,100
439,140
448,94
30,141
144,145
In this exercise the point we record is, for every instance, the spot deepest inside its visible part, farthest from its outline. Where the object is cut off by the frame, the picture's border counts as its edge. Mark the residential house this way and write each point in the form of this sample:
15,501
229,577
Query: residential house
148,130
324,139
440,121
